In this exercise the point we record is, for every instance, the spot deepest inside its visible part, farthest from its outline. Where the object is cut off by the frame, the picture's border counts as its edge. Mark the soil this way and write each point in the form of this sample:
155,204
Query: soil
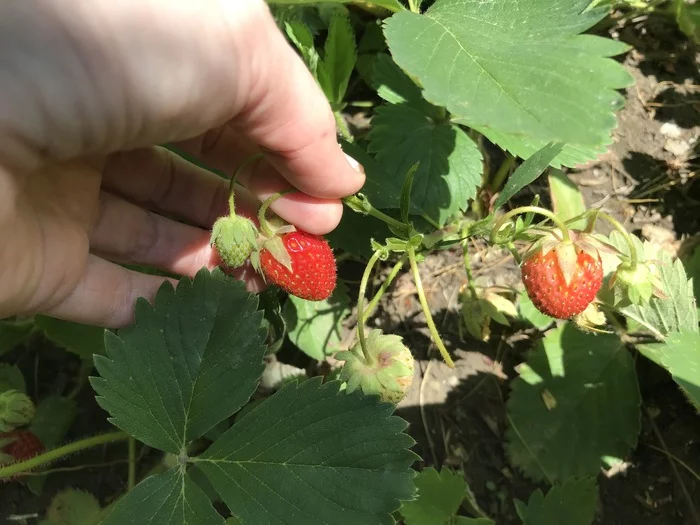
457,416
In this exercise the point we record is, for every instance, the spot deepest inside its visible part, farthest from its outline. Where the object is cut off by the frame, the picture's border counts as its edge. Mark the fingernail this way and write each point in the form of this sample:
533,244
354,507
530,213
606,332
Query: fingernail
354,164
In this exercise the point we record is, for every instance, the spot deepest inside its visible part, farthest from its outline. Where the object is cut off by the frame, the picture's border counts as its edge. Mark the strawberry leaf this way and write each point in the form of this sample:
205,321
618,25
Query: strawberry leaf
190,360
574,406
339,59
440,495
677,312
519,69
11,378
311,454
450,162
81,339
316,326
567,199
171,498
573,503
391,5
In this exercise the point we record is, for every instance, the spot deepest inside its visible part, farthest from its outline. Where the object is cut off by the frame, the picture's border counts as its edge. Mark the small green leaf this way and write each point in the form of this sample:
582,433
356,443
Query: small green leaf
311,454
316,326
592,382
81,339
675,313
406,192
190,360
567,199
692,268
527,172
450,162
688,18
573,503
302,38
171,498
13,333
440,495
681,357
11,378
518,68
531,314
339,58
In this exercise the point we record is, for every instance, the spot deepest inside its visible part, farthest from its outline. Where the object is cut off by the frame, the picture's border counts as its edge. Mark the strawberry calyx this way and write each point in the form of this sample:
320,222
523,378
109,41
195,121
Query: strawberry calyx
636,283
387,370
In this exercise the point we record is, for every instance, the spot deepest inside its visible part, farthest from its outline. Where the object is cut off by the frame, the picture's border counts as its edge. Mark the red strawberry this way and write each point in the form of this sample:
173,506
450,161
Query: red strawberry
551,292
313,271
20,444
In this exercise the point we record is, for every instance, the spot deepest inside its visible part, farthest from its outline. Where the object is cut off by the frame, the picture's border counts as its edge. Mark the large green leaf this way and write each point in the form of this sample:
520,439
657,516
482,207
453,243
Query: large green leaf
311,454
338,60
316,326
440,495
677,312
681,356
191,360
450,162
81,339
573,503
574,406
171,498
519,68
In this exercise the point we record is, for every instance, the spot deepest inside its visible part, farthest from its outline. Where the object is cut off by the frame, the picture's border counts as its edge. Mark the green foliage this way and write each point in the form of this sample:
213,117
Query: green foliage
11,378
567,199
191,360
167,499
312,454
680,355
13,333
531,314
519,70
527,172
338,61
316,326
573,503
440,495
81,339
688,18
575,402
677,312
391,5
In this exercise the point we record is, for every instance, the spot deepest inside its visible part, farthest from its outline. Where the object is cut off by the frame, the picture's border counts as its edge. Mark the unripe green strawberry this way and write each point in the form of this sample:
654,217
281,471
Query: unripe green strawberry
636,284
73,507
16,409
300,263
234,238
388,373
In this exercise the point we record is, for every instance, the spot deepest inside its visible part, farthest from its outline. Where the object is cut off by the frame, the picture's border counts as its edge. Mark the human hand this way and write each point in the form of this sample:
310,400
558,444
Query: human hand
89,87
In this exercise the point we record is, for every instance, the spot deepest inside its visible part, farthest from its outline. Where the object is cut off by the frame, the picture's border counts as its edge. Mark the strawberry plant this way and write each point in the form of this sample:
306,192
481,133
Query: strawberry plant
470,103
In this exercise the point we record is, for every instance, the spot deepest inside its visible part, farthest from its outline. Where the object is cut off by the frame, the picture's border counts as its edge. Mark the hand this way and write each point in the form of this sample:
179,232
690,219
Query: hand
89,87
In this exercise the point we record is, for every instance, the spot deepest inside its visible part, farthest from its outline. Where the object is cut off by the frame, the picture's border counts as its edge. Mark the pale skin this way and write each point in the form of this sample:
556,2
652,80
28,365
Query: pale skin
89,88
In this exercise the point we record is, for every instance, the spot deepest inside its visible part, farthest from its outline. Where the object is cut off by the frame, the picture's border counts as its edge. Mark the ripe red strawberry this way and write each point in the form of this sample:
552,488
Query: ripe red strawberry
547,287
313,270
20,444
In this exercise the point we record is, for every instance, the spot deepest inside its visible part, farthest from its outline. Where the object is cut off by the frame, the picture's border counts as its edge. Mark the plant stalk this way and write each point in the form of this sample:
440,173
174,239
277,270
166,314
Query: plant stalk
426,309
131,480
232,182
58,453
354,202
531,209
361,306
262,213
620,228
383,288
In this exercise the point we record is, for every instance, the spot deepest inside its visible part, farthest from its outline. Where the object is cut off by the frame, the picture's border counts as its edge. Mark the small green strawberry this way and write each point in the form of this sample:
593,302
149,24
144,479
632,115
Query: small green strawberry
636,284
388,372
16,409
234,238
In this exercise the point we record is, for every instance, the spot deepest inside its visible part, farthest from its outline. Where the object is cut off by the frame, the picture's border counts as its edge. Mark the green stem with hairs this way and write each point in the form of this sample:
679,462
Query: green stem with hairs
262,213
361,306
343,127
383,288
354,202
131,479
426,309
468,268
531,209
58,453
232,182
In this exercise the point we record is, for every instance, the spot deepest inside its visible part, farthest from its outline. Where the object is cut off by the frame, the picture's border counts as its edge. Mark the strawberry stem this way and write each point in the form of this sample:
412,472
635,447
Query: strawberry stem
232,182
530,209
361,306
383,288
426,309
57,453
262,213
364,207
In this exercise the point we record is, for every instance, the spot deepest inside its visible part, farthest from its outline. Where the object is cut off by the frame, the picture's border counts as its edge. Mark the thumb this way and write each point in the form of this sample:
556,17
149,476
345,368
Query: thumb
287,115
